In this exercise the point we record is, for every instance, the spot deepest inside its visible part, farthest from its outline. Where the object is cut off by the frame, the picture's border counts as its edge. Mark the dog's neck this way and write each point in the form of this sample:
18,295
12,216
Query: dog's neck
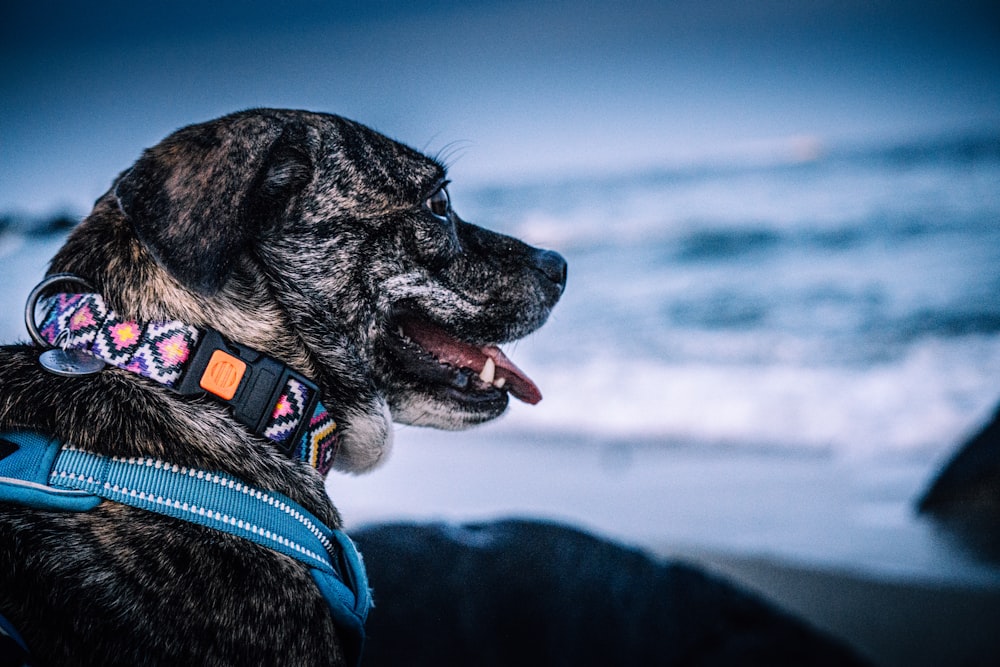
244,310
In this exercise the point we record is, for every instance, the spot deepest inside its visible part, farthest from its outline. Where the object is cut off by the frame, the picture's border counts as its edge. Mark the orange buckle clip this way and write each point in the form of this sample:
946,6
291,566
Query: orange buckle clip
222,375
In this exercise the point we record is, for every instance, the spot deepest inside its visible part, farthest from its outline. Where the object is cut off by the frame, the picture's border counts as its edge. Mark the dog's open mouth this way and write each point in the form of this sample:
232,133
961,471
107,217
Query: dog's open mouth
471,371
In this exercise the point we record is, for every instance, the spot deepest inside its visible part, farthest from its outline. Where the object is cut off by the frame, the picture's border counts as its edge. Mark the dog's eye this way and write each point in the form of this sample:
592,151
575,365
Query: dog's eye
439,203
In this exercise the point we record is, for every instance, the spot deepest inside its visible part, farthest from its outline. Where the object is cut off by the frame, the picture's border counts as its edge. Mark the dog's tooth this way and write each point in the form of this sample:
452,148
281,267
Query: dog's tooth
499,382
489,370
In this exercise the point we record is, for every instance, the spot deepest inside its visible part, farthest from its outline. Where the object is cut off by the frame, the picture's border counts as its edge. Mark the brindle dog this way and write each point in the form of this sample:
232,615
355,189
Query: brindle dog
321,243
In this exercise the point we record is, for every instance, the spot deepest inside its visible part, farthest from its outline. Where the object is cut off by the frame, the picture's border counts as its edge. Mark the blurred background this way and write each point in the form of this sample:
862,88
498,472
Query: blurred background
782,221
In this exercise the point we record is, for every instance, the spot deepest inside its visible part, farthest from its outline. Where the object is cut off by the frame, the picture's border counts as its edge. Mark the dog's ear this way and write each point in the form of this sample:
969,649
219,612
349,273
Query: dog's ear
200,197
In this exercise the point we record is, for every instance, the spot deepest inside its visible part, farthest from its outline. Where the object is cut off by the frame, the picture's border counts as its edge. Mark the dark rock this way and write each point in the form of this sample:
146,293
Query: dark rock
965,496
534,593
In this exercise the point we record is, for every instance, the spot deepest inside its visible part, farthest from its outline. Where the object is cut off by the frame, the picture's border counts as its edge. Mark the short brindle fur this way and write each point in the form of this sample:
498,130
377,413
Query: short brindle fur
306,236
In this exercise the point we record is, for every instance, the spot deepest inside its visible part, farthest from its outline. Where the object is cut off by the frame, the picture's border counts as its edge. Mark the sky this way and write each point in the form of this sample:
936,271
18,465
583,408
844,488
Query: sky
507,91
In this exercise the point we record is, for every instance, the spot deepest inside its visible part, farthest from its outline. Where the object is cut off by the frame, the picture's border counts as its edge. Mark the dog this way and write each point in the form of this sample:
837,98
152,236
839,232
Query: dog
309,239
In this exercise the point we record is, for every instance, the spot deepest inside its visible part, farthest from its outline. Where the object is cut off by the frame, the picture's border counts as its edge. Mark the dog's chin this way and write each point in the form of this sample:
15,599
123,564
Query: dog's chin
423,391
366,438
447,408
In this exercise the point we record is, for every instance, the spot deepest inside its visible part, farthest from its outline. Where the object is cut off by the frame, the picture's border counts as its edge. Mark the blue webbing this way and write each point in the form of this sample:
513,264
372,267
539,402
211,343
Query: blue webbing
44,473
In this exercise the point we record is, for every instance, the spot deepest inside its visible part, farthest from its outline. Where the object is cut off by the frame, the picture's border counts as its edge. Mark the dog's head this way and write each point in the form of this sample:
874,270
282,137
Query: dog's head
336,249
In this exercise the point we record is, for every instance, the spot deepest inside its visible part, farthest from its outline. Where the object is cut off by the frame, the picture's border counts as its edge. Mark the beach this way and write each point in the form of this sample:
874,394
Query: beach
782,229
845,552
759,371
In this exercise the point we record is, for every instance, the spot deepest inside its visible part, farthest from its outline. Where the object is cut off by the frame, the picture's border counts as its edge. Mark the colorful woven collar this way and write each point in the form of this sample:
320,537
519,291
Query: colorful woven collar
265,395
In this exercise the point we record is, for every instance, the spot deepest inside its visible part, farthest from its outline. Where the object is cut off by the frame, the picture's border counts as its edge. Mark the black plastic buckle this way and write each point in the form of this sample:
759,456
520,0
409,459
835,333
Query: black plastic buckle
262,383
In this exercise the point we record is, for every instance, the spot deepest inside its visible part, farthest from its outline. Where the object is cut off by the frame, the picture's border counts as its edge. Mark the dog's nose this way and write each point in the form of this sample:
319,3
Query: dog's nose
552,265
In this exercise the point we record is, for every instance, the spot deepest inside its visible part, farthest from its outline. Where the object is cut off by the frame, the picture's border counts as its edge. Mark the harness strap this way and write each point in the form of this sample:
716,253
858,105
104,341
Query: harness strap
13,650
273,400
42,472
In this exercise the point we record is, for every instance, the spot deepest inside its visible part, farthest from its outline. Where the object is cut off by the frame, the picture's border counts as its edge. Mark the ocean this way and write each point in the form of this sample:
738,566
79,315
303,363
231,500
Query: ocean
846,302
770,352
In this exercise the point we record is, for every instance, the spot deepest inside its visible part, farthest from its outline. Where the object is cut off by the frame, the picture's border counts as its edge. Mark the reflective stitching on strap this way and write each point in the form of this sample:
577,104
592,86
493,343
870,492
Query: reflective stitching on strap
215,497
211,499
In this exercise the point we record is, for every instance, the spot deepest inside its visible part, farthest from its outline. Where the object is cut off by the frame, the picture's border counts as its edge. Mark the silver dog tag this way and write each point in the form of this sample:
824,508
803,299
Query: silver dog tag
70,363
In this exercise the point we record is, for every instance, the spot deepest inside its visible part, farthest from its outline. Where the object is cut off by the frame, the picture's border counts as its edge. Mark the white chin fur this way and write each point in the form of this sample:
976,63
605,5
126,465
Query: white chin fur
366,439
422,411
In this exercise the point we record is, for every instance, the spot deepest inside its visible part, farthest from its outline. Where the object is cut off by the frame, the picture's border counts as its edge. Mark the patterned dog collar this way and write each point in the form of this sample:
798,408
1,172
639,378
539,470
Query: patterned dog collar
267,396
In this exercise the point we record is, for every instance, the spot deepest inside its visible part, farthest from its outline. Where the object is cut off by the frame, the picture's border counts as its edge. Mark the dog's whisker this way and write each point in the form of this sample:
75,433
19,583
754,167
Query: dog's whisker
451,152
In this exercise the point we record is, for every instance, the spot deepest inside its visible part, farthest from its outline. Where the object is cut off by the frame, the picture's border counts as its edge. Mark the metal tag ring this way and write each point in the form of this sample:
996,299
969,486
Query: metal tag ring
36,294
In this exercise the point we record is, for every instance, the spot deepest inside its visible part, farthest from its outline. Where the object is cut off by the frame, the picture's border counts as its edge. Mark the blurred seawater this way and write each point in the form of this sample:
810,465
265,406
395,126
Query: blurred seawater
844,301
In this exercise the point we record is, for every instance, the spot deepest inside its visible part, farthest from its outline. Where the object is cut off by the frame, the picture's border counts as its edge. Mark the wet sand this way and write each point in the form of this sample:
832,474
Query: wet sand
902,622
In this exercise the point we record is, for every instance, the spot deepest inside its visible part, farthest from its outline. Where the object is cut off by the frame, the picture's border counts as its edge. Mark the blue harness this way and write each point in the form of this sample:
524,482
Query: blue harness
43,473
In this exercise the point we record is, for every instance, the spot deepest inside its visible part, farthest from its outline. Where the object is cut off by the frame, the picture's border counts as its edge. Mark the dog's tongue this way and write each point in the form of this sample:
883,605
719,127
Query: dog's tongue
519,384
452,351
